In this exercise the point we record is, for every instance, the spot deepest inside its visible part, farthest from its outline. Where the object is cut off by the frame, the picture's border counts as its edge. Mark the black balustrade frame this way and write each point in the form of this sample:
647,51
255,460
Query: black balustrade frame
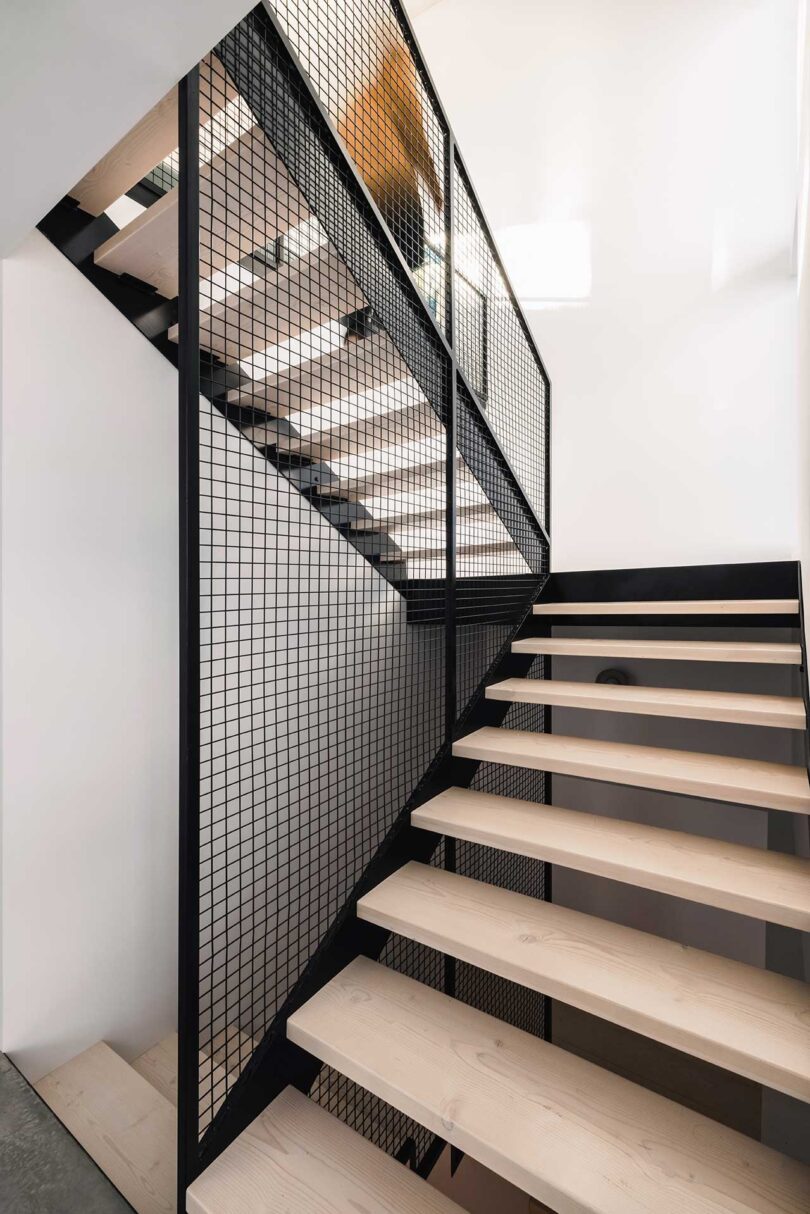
467,429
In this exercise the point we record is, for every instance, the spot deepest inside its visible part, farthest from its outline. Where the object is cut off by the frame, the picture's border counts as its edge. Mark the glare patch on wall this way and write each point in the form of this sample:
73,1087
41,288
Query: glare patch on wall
549,262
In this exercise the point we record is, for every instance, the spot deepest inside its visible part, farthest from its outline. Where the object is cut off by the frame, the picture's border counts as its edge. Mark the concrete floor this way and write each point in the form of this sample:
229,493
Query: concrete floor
43,1170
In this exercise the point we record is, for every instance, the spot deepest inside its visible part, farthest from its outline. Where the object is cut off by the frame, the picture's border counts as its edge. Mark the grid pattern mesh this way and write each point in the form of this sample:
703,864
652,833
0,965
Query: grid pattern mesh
322,462
366,76
495,352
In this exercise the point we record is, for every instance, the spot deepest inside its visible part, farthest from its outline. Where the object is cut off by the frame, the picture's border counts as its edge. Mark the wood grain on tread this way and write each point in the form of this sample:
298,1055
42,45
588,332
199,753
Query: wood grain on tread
570,1134
298,1159
240,216
674,607
779,711
159,1066
733,1015
681,651
141,149
123,1123
151,140
716,777
349,369
749,880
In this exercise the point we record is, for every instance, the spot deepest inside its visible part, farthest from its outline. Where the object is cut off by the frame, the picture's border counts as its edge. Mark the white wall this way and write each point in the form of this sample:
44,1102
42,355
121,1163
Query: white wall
649,147
77,77
803,259
89,550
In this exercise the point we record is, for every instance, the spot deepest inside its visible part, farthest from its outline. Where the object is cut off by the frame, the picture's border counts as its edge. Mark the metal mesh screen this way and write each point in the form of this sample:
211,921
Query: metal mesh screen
324,596
361,63
495,351
321,705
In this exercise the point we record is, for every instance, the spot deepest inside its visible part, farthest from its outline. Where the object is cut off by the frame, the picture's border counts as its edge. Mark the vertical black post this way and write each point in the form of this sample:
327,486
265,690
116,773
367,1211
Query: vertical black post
450,656
189,421
547,467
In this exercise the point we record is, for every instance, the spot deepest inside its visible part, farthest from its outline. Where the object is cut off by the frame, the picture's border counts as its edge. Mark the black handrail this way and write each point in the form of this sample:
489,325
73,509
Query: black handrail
349,167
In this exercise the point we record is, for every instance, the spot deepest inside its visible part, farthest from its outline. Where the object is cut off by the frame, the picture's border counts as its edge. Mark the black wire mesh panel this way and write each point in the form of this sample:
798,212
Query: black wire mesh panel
321,706
495,352
361,62
323,562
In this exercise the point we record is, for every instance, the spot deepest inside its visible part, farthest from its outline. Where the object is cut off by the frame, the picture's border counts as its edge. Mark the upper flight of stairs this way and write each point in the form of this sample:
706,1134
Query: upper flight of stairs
346,423
294,1159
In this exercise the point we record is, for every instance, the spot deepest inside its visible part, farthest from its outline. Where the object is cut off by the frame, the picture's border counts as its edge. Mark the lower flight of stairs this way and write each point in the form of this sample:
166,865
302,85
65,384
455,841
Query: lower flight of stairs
565,1131
294,1157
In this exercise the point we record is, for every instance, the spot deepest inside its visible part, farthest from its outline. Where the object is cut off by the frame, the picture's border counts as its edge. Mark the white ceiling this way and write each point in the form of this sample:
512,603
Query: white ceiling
77,75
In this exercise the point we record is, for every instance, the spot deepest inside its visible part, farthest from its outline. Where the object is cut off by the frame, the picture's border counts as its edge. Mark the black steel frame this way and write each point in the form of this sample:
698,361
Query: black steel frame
276,1063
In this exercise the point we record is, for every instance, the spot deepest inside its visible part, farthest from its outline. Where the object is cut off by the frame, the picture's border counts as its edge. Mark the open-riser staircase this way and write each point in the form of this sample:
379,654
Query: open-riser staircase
412,1008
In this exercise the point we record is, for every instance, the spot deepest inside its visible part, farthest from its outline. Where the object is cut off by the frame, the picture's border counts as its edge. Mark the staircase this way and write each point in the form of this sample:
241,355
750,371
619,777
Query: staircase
567,1132
400,456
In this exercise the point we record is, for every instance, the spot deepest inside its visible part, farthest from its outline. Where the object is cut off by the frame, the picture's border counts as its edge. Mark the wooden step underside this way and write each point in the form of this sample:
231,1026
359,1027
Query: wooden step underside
748,880
733,1015
123,1123
151,140
241,211
298,1159
682,651
715,777
783,711
293,298
568,1133
349,369
415,421
674,607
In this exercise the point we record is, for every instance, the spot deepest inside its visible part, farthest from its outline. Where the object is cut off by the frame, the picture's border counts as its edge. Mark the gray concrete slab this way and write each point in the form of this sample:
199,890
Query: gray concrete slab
43,1170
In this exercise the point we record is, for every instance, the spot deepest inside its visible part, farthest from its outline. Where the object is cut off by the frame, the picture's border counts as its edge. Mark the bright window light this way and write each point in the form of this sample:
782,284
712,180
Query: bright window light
315,343
124,210
549,262
304,238
229,281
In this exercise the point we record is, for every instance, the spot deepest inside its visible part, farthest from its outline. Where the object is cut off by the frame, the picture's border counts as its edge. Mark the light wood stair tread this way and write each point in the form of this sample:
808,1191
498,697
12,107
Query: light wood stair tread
716,777
298,1159
415,421
785,711
149,142
751,881
351,368
239,216
733,1015
563,1130
674,607
417,518
123,1123
291,299
159,1066
684,651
